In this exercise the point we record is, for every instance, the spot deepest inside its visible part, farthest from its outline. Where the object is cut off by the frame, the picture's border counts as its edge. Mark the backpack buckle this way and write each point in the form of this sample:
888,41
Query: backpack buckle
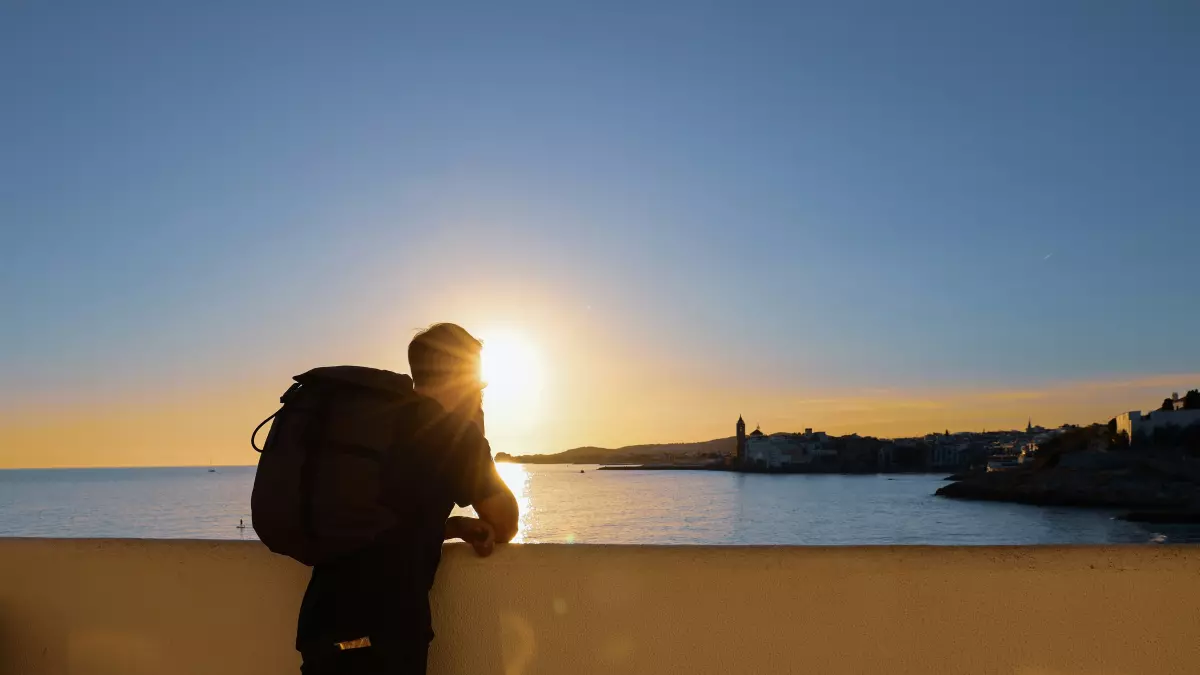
287,395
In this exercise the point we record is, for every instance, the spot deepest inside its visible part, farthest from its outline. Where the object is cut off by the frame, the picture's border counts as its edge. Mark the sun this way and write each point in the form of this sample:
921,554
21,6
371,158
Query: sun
513,370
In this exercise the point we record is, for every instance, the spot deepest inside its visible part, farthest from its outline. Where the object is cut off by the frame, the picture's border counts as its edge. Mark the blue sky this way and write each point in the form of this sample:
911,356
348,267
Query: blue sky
875,195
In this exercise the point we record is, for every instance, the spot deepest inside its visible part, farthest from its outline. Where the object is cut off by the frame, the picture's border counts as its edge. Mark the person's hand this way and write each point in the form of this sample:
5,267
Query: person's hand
478,533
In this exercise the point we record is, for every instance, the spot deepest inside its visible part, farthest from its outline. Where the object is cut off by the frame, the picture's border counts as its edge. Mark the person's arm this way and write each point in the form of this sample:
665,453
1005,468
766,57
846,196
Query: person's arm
497,522
475,482
478,533
500,510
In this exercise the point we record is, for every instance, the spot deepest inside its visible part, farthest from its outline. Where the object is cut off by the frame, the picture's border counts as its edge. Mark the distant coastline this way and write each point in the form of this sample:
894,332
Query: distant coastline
1148,462
653,453
721,466
819,453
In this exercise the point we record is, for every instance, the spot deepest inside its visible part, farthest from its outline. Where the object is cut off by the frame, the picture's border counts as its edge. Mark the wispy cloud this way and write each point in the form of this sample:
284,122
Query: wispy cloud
1014,395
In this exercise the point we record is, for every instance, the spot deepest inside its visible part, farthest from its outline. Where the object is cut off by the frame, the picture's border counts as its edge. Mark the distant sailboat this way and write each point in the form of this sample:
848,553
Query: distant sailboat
211,469
241,524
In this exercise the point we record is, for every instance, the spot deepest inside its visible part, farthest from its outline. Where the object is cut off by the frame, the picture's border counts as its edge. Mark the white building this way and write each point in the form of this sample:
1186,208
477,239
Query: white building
943,455
1178,402
1133,423
777,451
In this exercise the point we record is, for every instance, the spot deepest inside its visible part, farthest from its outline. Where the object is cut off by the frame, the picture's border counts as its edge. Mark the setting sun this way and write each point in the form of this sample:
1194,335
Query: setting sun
513,370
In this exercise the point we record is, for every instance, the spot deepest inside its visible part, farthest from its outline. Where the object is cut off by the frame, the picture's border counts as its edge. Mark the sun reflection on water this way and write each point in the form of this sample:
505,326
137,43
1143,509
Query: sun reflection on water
517,479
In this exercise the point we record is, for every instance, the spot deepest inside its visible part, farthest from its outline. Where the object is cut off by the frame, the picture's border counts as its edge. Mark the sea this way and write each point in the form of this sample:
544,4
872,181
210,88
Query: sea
573,504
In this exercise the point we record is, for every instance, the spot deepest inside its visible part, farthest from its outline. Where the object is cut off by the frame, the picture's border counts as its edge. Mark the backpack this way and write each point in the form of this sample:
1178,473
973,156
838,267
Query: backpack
317,492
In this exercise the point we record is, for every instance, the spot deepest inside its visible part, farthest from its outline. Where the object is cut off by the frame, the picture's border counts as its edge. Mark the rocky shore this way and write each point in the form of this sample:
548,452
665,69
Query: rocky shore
1113,481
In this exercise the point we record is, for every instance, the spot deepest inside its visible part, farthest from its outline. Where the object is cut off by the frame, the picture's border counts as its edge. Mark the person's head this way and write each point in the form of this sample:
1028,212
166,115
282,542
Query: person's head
444,360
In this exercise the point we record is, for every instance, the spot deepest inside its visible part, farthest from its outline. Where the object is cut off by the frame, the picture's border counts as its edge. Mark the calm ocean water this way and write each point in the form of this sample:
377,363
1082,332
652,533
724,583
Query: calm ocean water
562,505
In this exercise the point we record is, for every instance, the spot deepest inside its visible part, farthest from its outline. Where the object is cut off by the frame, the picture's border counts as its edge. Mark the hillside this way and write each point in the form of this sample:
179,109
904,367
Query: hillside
630,454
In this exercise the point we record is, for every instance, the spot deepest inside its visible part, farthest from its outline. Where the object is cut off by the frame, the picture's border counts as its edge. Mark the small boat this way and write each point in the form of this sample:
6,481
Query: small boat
212,470
241,524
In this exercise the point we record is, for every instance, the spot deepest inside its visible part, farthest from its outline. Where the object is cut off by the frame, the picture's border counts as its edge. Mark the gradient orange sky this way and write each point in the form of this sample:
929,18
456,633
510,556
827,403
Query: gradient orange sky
178,427
602,384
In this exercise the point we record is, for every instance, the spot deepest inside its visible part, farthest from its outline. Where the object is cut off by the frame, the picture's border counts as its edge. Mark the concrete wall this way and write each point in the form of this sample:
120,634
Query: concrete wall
90,607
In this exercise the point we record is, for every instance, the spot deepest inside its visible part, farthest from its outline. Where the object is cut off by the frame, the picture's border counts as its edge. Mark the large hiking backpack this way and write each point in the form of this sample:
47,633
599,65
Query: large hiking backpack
317,493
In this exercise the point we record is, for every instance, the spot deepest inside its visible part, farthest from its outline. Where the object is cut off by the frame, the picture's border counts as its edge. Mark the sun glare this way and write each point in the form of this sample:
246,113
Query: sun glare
512,369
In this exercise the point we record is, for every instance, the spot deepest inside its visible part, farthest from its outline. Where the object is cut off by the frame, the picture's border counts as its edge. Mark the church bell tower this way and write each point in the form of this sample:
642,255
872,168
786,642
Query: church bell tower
741,440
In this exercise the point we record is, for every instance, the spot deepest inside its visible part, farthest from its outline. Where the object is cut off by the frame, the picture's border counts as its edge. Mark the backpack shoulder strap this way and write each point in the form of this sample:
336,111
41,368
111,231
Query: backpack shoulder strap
287,396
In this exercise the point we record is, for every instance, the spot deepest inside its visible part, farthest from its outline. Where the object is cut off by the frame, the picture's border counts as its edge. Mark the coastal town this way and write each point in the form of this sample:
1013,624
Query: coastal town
819,452
1141,460
812,451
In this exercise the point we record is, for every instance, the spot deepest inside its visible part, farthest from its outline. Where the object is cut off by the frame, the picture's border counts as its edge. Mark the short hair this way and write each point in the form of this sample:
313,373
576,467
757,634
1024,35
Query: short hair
444,353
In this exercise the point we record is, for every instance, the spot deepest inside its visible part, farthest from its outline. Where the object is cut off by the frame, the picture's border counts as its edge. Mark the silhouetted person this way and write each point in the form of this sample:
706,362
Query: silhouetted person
368,613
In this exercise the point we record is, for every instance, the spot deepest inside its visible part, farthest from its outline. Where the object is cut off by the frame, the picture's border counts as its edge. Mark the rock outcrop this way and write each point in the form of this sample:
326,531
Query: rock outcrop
1136,483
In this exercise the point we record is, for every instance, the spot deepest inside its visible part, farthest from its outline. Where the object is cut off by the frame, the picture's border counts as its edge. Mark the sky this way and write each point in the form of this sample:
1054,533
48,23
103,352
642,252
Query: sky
883,218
